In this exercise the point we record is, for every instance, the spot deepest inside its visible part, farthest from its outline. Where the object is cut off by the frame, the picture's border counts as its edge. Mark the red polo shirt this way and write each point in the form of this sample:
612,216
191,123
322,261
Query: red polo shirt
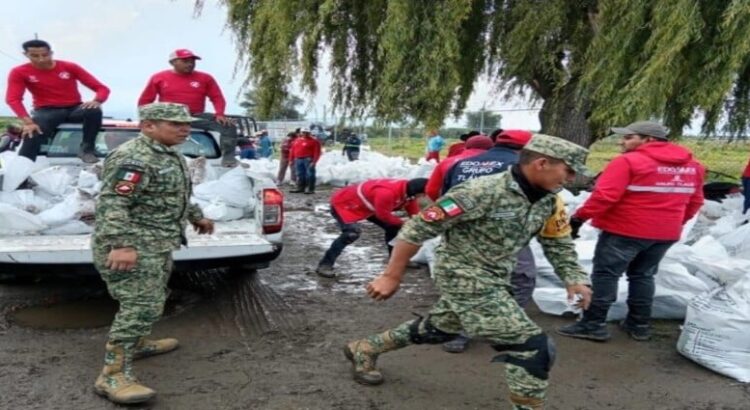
189,89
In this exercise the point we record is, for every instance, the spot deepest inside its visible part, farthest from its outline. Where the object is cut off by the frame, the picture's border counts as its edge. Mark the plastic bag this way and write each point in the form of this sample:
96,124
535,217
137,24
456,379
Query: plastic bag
14,221
76,205
715,334
26,200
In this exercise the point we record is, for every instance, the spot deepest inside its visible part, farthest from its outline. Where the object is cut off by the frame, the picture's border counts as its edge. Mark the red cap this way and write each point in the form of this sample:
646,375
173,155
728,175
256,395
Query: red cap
182,53
515,137
479,142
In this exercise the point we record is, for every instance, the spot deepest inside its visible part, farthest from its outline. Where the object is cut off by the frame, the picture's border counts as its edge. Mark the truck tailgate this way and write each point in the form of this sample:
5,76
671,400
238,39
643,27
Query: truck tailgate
230,239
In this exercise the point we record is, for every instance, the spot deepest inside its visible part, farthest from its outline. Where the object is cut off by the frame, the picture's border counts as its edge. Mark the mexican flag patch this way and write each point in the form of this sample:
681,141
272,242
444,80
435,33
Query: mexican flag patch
450,207
128,175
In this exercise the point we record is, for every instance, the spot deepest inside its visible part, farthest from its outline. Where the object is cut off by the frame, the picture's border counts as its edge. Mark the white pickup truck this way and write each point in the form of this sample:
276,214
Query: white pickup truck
250,243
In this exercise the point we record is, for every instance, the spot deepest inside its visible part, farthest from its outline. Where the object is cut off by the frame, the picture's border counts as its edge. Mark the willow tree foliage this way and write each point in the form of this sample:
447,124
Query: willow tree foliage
591,64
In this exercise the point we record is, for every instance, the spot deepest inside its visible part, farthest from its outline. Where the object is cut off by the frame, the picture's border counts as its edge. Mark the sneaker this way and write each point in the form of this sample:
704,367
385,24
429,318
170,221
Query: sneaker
457,345
584,330
88,157
325,271
641,333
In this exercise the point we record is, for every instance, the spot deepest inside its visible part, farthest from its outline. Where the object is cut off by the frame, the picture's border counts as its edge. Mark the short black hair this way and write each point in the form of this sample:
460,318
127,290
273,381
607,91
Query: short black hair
463,137
495,134
472,133
35,44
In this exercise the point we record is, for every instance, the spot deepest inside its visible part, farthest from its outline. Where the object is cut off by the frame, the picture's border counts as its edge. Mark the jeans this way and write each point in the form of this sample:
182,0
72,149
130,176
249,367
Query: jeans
352,155
639,259
350,233
247,153
49,118
746,193
228,140
305,174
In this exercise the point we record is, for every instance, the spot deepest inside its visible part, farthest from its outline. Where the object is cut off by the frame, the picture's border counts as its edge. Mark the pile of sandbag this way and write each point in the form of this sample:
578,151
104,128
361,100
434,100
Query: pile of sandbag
60,200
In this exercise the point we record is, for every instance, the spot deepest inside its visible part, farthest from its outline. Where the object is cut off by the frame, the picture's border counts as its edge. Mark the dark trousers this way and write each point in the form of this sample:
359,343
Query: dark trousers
228,139
305,174
350,233
48,119
746,193
352,155
639,259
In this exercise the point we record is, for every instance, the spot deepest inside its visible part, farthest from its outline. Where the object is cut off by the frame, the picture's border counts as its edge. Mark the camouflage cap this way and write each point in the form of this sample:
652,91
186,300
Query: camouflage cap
166,112
572,154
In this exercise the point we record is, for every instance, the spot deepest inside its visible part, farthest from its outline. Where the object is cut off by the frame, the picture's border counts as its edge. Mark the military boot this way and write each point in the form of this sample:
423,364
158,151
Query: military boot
116,381
364,354
148,347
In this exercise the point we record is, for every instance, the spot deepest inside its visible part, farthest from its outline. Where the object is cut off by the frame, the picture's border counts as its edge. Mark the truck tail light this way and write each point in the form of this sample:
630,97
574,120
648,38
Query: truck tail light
273,210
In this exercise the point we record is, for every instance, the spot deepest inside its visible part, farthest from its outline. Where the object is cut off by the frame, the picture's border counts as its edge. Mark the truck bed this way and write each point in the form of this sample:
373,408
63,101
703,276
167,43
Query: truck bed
230,239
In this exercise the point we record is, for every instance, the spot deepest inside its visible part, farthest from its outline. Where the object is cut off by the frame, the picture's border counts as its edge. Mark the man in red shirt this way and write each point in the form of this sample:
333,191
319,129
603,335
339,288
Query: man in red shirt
640,202
53,85
284,162
375,200
304,154
183,84
475,145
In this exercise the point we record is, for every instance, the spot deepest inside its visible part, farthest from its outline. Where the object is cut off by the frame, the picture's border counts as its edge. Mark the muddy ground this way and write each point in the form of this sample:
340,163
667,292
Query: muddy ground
272,340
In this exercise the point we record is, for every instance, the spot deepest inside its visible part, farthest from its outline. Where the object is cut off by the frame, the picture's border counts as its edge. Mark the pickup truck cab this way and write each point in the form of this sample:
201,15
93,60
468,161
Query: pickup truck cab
250,243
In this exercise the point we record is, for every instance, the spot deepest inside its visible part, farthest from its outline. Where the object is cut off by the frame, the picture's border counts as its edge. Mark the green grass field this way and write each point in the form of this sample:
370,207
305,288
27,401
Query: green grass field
718,156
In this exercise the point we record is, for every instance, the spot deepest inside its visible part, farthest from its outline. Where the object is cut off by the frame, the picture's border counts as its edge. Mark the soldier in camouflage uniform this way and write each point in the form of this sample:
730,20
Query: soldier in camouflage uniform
484,223
141,216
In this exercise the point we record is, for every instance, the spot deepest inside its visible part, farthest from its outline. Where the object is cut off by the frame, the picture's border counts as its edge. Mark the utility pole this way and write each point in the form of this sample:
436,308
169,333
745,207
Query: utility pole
481,119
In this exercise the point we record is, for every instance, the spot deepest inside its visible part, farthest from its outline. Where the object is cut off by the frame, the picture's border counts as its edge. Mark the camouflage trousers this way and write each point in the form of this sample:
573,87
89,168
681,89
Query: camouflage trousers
493,316
141,293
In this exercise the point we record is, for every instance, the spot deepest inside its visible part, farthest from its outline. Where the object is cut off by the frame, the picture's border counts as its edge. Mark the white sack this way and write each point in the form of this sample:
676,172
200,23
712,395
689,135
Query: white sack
14,221
87,179
234,188
75,206
426,254
715,334
55,180
26,200
217,210
16,169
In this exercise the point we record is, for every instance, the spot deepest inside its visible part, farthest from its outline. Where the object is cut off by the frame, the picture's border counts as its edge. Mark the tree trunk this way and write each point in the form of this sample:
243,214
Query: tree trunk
565,116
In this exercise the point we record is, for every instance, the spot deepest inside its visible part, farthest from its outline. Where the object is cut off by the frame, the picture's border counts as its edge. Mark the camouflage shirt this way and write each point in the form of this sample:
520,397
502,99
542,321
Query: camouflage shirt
484,223
145,198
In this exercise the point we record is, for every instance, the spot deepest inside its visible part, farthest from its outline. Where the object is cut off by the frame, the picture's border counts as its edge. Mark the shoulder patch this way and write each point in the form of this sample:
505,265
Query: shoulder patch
133,163
432,213
129,175
124,188
558,224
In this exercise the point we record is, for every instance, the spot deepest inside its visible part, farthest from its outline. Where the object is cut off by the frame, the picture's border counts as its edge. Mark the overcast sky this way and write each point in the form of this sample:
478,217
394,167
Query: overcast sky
123,43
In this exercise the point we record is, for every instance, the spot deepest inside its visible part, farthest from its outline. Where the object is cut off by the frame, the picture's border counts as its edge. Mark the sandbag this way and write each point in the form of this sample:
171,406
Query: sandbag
14,221
218,210
715,333
76,205
55,180
16,169
234,188
25,199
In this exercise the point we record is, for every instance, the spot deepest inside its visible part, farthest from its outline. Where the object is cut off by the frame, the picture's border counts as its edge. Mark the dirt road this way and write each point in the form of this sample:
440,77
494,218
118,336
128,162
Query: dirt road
272,341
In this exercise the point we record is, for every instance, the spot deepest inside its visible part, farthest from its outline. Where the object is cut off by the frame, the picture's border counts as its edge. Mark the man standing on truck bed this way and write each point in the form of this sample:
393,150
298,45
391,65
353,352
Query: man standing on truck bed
53,85
140,216
184,85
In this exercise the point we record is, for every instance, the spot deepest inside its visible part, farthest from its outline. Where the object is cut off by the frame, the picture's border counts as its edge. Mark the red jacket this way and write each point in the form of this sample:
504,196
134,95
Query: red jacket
57,87
304,147
376,197
434,186
746,173
189,89
456,148
647,193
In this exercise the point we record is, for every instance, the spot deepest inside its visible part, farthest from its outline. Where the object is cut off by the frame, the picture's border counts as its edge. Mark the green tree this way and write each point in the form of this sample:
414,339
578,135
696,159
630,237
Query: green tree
287,110
590,64
474,120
